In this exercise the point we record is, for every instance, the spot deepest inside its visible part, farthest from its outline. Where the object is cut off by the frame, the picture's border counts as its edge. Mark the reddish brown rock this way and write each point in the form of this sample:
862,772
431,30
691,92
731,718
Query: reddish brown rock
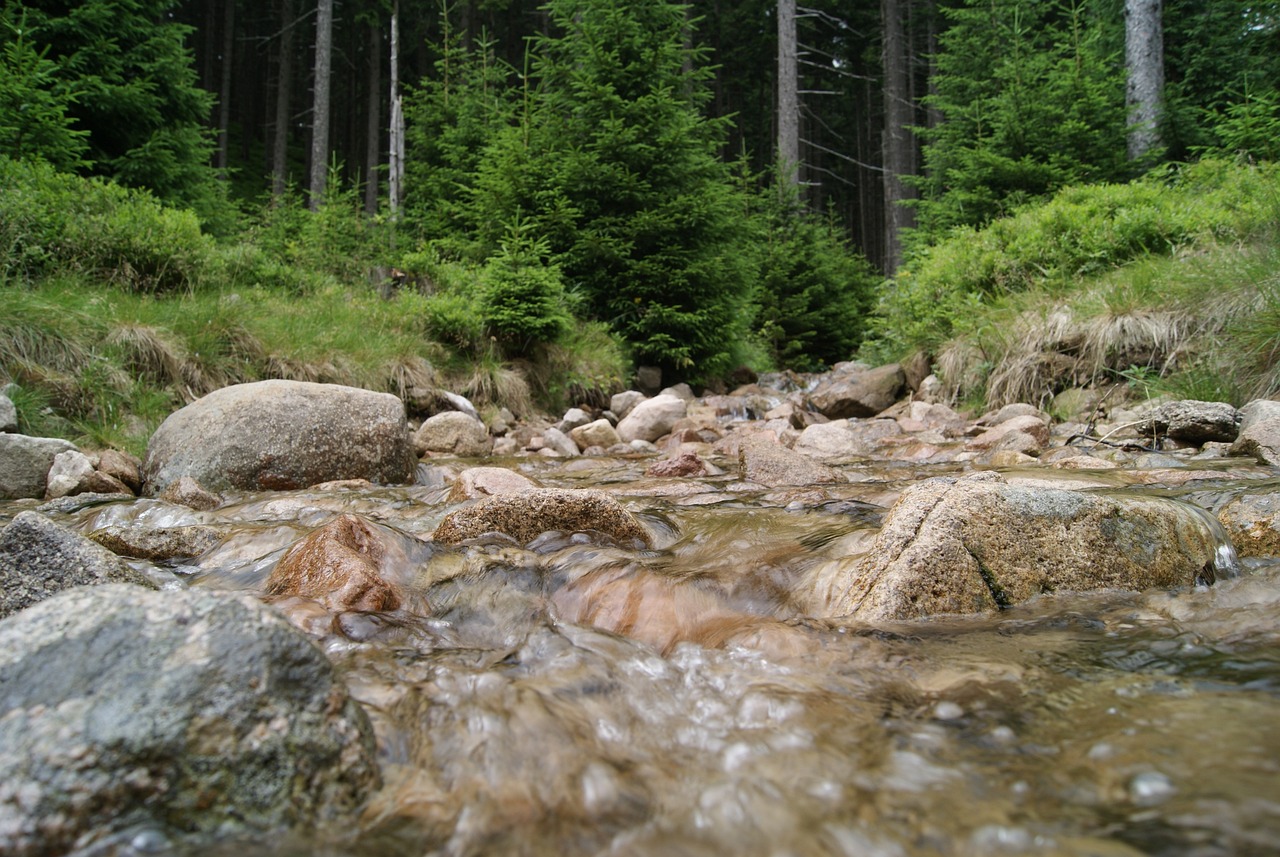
685,464
341,566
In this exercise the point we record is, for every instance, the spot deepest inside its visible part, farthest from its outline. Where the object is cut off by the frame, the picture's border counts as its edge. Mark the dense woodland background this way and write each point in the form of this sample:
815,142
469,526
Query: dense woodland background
710,183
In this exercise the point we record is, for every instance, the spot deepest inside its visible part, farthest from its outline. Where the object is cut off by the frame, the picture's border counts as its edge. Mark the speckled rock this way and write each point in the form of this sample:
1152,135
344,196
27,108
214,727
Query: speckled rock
1252,521
281,435
157,543
38,559
189,714
25,463
526,515
977,543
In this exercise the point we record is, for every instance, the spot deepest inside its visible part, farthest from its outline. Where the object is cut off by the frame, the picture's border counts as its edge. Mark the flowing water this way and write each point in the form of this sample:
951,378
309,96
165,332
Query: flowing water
576,697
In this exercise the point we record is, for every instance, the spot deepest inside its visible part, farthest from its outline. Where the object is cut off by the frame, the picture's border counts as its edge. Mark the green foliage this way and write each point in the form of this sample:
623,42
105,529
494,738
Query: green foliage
336,239
1032,102
814,290
616,168
1217,55
136,92
522,299
1081,232
1251,127
34,102
450,119
54,222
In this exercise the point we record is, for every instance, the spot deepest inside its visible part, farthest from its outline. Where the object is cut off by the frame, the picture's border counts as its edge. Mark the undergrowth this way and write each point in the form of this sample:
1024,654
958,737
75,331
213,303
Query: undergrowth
1174,275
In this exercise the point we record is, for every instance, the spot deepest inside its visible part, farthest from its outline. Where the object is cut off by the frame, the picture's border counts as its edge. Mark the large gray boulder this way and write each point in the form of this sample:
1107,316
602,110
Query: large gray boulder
189,714
978,543
39,559
1259,431
25,463
281,435
846,438
858,393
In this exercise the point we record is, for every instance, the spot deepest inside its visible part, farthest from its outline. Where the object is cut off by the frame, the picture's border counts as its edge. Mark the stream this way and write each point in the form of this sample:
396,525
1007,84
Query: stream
512,719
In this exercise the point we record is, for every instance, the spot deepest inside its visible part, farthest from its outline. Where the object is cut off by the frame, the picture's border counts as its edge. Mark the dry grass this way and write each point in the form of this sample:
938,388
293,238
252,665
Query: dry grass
155,355
499,386
407,373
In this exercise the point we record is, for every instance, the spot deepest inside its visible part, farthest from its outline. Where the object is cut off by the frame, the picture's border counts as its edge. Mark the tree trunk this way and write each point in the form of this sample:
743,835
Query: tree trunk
224,88
1144,62
395,172
898,156
284,100
788,94
373,126
320,104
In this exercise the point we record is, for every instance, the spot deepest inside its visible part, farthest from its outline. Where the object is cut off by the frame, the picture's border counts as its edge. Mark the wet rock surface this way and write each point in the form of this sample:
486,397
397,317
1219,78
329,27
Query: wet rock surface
764,631
39,559
527,514
174,714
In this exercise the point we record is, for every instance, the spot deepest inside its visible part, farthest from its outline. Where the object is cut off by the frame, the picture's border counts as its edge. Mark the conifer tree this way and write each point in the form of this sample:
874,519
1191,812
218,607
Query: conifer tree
616,167
138,100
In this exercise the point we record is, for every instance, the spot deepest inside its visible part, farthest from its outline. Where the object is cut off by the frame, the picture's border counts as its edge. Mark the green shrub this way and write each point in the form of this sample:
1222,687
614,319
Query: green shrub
51,222
1080,232
522,298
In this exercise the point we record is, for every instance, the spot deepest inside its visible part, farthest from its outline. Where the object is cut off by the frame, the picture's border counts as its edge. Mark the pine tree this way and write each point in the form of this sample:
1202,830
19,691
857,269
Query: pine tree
617,169
34,102
137,99
1031,101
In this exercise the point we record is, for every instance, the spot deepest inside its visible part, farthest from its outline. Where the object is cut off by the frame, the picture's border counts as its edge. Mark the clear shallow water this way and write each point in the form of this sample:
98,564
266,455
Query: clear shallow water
725,721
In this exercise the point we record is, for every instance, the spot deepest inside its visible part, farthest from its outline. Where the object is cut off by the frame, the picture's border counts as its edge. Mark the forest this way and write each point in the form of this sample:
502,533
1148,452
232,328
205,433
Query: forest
537,197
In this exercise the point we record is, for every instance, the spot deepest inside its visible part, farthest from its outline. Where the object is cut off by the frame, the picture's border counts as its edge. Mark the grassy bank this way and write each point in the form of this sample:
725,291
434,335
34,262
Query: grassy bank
115,311
1171,282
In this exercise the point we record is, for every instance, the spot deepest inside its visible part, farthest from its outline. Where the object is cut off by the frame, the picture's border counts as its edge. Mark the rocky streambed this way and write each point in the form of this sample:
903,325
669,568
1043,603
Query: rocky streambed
818,619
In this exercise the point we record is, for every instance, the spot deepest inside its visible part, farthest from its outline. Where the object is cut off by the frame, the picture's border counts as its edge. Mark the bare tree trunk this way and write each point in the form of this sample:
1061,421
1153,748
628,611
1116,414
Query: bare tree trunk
373,128
224,88
395,173
898,144
1144,62
284,100
788,93
320,109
